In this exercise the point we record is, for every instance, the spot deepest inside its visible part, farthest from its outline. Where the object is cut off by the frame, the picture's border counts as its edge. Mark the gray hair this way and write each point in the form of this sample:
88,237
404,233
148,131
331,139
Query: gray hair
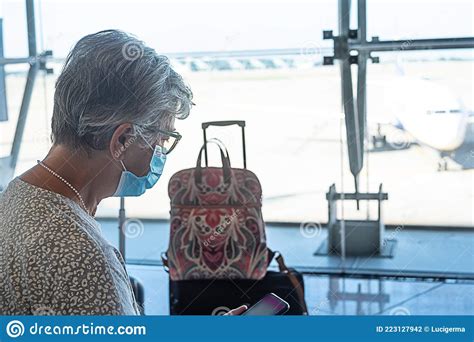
110,78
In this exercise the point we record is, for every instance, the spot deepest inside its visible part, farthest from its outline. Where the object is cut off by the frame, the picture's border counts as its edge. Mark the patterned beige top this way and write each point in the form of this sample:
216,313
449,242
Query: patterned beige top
54,259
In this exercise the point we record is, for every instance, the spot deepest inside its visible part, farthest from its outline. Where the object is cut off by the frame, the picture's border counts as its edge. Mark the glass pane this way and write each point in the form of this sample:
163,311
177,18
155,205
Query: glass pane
291,103
419,19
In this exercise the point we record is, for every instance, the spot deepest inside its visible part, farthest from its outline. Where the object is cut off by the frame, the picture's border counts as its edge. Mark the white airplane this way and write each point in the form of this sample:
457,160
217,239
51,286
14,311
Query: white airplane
421,110
429,112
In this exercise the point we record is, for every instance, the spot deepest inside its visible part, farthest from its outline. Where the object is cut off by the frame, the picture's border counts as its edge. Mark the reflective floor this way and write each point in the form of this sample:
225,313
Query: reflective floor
338,296
431,253
445,254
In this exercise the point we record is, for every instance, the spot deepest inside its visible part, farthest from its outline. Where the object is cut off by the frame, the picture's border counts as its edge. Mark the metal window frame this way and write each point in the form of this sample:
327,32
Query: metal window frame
36,63
350,40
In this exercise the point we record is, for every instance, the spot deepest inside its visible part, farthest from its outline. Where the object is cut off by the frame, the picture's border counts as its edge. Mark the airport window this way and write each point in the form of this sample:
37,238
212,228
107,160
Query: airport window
292,104
355,118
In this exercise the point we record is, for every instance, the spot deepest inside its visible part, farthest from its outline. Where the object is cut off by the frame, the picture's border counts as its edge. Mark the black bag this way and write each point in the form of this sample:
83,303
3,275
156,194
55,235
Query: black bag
217,296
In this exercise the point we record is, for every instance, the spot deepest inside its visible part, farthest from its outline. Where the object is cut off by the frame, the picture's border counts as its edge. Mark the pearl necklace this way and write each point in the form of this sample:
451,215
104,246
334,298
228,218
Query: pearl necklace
67,183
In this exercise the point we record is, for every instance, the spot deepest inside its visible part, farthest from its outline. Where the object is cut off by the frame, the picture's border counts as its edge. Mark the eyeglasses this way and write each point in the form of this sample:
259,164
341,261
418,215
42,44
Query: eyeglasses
168,140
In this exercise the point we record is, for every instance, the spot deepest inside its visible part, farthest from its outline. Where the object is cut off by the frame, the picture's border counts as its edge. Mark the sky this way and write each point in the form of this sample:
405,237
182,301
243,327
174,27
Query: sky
182,26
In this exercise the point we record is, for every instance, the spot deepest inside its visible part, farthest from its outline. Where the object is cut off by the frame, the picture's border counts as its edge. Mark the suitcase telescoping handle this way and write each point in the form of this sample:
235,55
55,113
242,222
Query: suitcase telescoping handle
240,123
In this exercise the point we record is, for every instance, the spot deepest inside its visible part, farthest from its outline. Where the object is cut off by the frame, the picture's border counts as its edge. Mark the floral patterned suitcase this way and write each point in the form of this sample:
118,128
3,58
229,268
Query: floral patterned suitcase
217,229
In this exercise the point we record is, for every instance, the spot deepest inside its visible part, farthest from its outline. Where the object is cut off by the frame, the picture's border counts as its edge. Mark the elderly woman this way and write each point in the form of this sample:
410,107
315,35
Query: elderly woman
112,130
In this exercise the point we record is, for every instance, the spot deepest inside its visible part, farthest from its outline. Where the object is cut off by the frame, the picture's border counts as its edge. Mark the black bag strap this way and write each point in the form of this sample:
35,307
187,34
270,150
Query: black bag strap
291,276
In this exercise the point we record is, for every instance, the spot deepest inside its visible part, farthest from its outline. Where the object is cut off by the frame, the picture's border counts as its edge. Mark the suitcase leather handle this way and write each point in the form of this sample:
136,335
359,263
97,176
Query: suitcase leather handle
225,164
223,147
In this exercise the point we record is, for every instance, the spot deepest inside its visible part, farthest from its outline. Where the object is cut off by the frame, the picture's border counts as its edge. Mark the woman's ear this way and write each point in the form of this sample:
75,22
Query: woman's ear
120,141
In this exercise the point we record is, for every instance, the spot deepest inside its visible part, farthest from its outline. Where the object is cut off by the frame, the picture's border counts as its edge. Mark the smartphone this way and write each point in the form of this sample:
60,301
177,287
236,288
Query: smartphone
269,305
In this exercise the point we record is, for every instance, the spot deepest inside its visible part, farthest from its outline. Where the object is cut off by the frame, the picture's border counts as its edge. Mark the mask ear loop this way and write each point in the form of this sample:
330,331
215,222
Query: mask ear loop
146,141
151,147
158,148
123,165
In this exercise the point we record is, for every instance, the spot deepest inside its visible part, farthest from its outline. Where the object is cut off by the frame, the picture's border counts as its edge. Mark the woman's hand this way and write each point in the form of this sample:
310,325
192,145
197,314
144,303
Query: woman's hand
238,311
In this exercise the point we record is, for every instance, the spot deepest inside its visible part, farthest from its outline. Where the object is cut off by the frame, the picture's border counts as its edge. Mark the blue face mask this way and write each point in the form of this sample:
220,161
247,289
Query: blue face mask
132,185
